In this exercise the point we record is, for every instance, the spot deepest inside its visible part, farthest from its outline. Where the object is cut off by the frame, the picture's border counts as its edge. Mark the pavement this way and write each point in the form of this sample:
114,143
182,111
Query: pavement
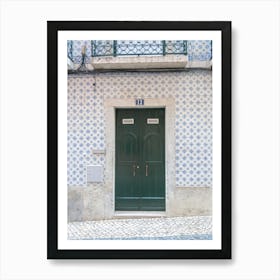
179,228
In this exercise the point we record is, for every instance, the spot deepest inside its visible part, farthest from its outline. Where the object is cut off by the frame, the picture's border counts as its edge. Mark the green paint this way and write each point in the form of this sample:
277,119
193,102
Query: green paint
140,160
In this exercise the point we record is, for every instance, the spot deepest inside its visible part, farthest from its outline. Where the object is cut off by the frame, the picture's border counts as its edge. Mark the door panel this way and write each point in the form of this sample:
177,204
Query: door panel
152,147
127,147
140,160
127,150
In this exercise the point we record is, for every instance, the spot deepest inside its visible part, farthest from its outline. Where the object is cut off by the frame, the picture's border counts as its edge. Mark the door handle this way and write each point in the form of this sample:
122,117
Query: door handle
147,169
134,169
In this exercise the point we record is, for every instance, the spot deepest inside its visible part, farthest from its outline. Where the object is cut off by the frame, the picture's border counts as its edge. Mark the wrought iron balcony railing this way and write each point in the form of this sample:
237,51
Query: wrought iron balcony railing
195,50
137,48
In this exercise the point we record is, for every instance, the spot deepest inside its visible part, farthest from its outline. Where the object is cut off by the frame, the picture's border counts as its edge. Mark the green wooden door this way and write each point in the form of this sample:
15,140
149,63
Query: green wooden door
140,160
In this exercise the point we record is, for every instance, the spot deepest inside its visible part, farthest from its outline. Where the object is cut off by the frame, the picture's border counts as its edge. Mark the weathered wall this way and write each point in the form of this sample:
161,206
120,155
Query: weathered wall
192,94
94,203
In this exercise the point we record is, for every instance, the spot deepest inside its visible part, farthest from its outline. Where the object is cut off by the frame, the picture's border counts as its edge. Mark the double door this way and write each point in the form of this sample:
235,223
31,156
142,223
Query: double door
140,160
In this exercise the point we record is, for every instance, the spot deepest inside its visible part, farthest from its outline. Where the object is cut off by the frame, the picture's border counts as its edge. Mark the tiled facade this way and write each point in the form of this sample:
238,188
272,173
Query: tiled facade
193,128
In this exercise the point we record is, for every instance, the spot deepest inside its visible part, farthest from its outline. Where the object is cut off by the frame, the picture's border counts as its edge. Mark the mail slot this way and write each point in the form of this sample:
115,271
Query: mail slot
127,121
152,121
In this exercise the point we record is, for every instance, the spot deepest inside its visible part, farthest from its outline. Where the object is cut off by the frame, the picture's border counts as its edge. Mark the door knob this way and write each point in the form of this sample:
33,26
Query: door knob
147,169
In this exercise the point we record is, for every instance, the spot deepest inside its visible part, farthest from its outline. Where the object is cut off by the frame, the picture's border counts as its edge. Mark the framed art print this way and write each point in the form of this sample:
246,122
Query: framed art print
139,140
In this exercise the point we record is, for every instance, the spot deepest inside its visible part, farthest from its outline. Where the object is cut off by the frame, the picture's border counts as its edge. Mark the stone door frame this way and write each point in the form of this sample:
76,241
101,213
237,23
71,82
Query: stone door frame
110,106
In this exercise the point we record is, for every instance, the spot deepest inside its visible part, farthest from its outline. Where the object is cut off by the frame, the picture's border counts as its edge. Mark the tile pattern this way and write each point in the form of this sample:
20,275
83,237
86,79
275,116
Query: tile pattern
192,91
199,50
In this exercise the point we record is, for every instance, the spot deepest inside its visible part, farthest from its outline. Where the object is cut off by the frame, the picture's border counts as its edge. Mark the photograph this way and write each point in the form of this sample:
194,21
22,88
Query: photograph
122,124
139,141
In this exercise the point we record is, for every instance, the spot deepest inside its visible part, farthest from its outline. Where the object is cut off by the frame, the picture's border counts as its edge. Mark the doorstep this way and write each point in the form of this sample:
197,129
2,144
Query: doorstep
139,214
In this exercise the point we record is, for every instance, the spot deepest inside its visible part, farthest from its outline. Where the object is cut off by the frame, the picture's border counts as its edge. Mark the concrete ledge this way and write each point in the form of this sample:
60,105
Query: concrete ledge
168,61
199,64
116,63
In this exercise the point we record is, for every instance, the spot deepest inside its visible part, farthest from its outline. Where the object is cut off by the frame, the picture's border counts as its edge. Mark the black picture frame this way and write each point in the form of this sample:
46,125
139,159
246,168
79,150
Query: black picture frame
53,27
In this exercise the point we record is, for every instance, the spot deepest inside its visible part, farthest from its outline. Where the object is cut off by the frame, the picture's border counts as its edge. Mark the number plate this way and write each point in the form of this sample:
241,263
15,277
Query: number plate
139,102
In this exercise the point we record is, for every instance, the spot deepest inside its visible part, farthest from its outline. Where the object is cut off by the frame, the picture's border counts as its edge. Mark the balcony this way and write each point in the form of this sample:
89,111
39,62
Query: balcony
124,54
